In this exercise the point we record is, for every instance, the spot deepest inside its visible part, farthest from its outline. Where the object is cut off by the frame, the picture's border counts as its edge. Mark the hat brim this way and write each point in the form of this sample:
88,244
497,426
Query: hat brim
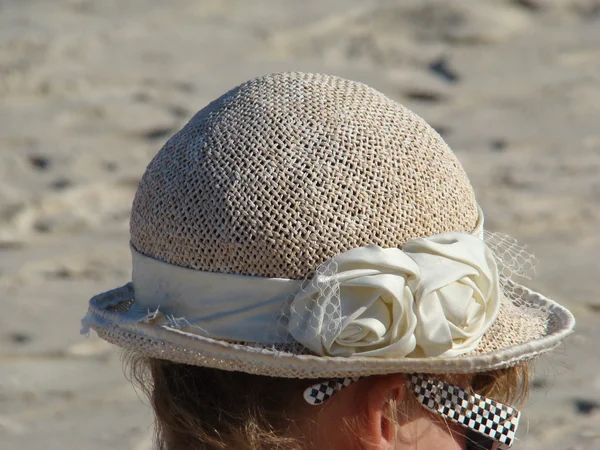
498,349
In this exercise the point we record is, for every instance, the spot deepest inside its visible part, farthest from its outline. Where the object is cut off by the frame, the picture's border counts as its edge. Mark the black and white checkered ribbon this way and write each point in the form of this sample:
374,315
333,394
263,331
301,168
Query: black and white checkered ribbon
318,393
485,416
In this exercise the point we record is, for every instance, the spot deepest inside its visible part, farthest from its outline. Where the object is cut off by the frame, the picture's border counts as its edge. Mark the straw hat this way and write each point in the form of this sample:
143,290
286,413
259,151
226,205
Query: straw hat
303,225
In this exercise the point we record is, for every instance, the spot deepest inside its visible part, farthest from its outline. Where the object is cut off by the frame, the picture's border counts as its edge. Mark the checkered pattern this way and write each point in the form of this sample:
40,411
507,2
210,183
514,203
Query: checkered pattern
318,393
482,415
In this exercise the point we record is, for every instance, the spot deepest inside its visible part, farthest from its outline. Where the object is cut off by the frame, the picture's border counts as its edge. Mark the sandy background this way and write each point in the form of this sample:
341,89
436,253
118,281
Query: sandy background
90,90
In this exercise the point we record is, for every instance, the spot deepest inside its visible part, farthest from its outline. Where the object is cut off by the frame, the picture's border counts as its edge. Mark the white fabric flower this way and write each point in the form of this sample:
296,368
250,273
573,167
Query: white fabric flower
365,307
458,296
437,296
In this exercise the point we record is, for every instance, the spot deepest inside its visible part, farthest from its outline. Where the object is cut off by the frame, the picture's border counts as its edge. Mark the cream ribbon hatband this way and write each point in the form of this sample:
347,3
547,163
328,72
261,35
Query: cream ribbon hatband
436,296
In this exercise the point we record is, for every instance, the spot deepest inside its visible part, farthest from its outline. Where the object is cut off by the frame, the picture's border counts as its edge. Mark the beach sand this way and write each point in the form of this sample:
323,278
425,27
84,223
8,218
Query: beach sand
90,90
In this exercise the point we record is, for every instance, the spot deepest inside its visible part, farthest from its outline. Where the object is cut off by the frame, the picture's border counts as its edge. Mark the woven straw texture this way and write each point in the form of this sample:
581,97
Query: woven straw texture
288,170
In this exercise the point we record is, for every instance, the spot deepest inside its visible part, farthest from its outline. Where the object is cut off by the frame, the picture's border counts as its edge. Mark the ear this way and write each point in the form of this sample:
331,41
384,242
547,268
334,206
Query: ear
380,432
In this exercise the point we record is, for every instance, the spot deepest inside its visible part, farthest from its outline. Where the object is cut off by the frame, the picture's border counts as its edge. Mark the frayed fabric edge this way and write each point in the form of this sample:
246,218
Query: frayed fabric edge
99,314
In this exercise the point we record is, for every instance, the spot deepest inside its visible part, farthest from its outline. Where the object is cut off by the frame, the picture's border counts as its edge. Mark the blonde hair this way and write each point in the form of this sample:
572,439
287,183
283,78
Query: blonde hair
208,409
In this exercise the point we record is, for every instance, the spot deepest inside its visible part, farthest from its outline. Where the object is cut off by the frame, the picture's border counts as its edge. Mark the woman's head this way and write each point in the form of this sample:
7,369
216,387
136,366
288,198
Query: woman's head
304,228
202,408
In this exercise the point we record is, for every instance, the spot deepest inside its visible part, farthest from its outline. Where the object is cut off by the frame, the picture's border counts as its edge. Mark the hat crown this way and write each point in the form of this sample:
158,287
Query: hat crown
287,170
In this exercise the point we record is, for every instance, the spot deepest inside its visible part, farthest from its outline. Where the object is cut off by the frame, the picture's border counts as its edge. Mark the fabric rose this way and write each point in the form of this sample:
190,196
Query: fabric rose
458,295
437,296
365,307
